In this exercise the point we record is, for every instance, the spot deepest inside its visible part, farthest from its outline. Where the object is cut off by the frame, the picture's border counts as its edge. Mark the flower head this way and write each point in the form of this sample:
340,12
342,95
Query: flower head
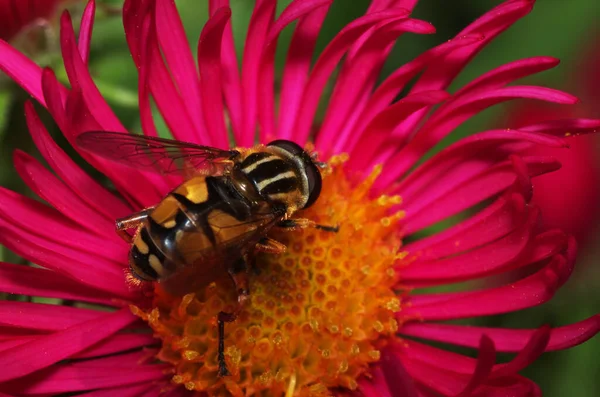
332,314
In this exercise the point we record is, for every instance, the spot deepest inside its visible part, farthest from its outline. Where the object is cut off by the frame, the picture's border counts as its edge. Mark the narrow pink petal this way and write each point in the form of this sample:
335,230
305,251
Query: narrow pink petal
55,192
140,190
485,362
266,73
37,317
397,379
143,65
375,386
530,291
467,157
118,343
28,214
94,194
85,30
123,391
55,98
122,360
50,349
378,134
209,62
491,223
79,76
86,268
453,114
169,101
71,377
506,340
297,66
327,62
393,85
568,127
27,280
179,59
418,352
480,187
441,74
232,86
532,350
22,70
353,83
260,21
483,261
508,73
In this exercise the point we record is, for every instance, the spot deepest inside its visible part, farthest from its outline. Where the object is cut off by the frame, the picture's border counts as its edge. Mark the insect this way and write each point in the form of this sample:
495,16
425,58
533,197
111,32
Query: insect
214,223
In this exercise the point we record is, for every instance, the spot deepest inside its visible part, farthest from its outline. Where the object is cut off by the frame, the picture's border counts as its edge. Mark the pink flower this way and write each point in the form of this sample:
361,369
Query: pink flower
332,313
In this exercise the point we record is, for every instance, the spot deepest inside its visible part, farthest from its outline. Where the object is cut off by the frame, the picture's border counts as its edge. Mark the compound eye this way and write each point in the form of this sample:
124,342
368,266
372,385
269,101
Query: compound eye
314,184
291,147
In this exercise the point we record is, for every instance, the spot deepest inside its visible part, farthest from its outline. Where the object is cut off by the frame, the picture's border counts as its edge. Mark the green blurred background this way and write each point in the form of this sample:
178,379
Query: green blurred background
564,29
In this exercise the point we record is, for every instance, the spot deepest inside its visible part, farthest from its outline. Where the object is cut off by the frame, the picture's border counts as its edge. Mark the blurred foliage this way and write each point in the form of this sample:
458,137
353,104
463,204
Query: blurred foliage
555,27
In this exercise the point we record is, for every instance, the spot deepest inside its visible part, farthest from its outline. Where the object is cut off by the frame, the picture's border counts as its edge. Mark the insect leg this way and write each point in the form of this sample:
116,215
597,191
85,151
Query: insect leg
223,318
129,222
239,274
270,246
302,223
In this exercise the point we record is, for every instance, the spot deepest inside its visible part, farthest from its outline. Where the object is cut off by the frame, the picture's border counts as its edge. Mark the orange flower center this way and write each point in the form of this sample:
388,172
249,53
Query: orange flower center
318,314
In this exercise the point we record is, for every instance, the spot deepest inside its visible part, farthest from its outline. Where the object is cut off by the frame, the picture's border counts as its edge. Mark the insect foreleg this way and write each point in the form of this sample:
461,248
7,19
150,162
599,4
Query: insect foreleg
130,222
223,318
302,223
270,246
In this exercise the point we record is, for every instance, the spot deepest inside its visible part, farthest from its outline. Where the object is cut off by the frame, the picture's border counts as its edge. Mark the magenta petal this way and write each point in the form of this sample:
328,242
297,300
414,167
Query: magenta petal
179,59
266,72
27,214
327,62
27,280
531,352
22,70
232,86
256,39
66,378
118,343
123,391
530,291
491,223
508,73
480,187
85,30
485,363
79,76
297,66
50,349
378,133
209,62
55,192
84,186
506,340
398,380
33,318
482,261
568,127
353,85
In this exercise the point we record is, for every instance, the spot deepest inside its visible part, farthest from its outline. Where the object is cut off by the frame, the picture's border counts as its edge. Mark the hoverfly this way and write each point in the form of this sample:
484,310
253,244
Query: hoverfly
214,223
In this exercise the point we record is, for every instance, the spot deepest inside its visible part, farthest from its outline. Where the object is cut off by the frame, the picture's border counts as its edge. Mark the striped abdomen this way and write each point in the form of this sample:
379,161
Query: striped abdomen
188,226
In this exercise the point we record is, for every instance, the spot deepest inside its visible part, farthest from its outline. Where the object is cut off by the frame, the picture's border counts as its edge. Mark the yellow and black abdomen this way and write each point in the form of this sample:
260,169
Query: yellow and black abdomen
189,226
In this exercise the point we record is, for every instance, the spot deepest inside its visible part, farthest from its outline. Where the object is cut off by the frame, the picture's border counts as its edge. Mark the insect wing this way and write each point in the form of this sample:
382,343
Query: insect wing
234,239
164,156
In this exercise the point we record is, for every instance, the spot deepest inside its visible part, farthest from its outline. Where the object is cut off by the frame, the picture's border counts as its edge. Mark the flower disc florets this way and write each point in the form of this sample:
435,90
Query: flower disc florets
318,314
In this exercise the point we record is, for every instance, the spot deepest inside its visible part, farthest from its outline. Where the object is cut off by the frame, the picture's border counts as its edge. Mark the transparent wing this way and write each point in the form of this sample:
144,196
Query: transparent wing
235,238
160,155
